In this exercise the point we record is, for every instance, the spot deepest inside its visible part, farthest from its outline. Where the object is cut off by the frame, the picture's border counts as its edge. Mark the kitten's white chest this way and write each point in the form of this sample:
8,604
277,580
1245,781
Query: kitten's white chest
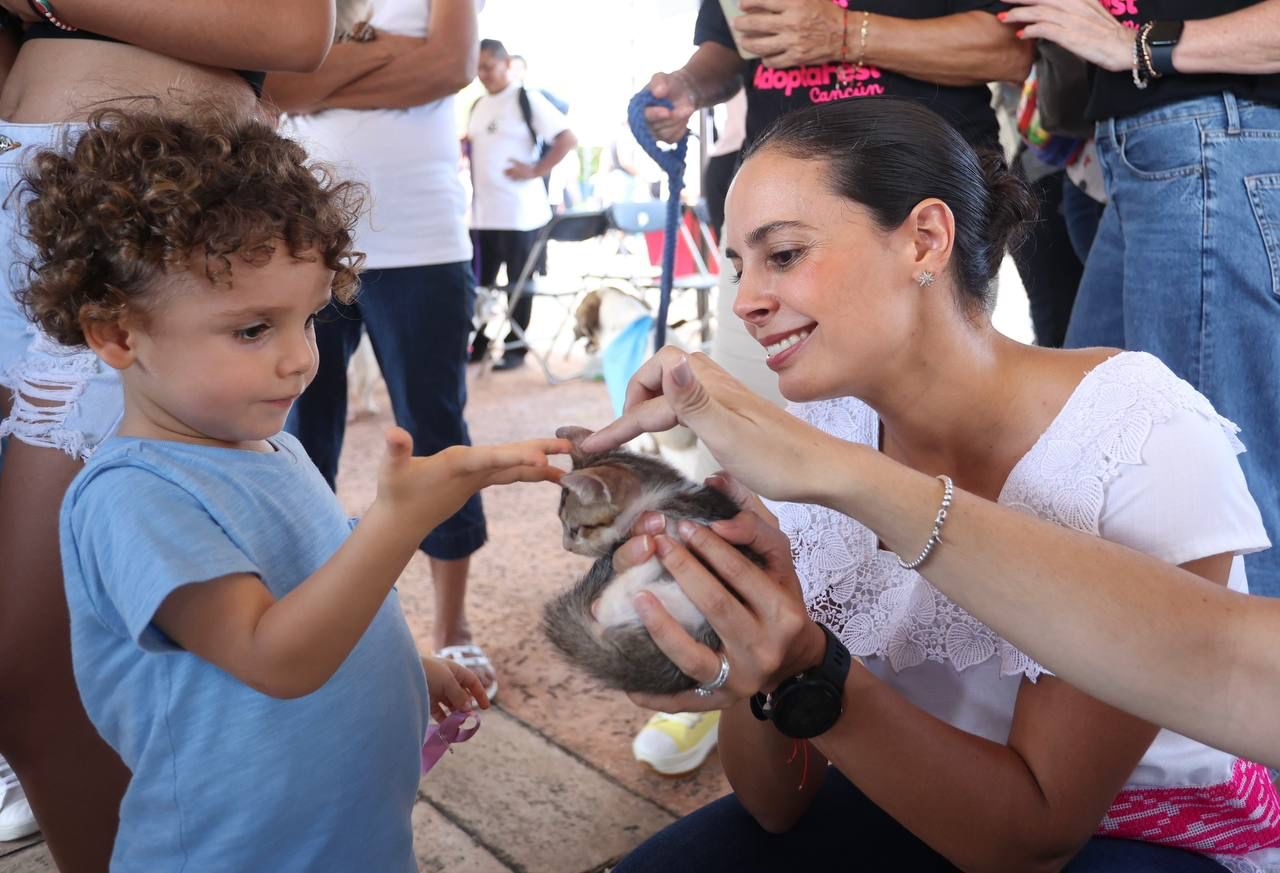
615,606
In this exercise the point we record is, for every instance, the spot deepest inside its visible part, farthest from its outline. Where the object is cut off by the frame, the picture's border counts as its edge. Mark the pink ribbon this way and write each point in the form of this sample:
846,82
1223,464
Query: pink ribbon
454,729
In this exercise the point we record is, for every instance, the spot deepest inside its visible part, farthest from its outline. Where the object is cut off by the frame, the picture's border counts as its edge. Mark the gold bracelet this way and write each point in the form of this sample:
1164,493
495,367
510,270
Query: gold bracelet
862,39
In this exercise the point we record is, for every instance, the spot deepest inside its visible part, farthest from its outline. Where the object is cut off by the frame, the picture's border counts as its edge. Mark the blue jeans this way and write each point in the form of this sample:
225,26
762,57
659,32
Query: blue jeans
419,320
843,830
1081,214
1186,265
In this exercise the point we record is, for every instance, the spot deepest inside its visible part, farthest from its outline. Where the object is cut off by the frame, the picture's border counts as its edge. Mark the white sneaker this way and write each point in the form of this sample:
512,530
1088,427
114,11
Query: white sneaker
16,819
675,743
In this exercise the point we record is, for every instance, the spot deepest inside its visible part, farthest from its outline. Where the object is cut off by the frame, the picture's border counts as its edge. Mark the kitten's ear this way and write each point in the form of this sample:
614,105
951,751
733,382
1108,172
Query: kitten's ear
574,435
587,487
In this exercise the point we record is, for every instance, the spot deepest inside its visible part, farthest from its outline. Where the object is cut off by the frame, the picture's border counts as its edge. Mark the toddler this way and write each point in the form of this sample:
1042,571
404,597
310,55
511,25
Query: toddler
235,637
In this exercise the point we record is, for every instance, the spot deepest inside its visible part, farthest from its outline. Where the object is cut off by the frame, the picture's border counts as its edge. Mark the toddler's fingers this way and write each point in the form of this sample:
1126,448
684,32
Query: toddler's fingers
399,443
452,693
528,453
466,691
542,473
472,685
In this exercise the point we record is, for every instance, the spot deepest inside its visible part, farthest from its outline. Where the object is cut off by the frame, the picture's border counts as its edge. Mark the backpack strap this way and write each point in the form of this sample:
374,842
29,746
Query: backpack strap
526,112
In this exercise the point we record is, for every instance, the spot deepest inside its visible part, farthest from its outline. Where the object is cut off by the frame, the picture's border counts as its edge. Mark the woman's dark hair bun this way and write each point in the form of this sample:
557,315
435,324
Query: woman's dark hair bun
1013,206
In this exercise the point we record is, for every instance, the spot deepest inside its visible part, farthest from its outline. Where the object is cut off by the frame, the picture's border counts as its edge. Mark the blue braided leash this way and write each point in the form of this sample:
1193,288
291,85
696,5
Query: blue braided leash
670,161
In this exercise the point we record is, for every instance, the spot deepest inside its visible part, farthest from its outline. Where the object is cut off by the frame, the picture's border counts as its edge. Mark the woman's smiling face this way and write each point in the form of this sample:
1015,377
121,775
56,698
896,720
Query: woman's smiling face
820,285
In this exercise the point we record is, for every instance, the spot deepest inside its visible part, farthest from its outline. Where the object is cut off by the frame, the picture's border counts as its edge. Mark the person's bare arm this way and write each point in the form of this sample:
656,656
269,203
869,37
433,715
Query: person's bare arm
238,34
290,647
441,65
304,93
1135,632
712,75
965,48
560,146
1245,41
979,49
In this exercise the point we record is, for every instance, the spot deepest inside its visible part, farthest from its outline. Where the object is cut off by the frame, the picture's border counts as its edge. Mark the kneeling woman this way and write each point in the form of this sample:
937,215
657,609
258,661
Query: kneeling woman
867,236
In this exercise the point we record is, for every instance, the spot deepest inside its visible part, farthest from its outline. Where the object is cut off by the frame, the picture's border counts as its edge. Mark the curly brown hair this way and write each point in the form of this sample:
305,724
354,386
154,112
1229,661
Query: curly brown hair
140,195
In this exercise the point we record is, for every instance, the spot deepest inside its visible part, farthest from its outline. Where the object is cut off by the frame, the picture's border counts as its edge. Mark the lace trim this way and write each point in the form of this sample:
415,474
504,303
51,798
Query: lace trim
879,609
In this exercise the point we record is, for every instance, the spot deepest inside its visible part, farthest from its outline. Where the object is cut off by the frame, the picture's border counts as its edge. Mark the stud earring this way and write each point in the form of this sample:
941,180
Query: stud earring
925,279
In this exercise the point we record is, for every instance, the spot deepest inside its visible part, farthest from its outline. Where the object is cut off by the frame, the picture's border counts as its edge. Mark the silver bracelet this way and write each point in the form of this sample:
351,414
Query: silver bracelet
935,537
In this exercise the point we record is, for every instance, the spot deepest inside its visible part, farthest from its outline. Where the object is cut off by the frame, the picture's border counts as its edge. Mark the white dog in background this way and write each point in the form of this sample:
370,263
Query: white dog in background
602,315
352,20
363,377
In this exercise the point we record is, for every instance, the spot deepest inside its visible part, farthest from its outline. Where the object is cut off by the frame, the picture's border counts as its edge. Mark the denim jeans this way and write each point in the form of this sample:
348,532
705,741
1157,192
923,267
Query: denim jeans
844,830
1081,214
418,319
1186,265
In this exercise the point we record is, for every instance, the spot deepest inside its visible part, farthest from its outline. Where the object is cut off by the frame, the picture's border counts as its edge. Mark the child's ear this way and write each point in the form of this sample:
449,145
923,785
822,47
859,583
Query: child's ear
112,340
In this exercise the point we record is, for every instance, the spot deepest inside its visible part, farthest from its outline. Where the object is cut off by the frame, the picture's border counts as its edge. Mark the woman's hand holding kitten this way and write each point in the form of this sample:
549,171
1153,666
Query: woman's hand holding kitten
767,635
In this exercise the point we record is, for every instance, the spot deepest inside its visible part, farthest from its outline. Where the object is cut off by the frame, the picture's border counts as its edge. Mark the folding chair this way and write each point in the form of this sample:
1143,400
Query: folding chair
569,226
649,217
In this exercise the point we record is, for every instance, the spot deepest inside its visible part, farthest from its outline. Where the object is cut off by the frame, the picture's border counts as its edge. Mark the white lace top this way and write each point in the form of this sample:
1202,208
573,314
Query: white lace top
1136,456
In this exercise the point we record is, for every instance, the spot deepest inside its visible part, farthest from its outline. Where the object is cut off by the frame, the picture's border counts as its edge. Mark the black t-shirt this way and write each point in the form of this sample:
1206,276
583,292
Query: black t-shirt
1113,95
771,93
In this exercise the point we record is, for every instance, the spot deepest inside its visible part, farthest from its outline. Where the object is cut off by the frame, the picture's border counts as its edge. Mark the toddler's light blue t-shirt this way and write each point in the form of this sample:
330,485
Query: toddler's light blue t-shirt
226,778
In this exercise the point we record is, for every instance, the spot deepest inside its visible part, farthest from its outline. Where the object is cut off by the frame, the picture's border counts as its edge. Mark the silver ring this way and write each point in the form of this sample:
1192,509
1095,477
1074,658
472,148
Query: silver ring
717,683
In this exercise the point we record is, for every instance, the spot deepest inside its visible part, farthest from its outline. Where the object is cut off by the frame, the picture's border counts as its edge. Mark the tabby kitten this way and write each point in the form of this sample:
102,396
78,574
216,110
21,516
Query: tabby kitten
594,623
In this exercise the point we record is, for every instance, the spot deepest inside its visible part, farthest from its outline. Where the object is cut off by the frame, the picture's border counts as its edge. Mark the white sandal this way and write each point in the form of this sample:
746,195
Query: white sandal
472,656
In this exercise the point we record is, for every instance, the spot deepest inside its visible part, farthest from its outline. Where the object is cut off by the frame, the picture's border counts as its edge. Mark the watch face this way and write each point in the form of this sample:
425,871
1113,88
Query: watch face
1165,33
807,709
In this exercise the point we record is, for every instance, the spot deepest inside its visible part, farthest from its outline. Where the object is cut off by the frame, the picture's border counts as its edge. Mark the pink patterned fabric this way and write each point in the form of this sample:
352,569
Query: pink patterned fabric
1231,818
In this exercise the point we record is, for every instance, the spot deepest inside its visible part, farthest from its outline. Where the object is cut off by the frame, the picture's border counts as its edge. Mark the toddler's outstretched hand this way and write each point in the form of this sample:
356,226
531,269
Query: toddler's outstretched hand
452,687
426,491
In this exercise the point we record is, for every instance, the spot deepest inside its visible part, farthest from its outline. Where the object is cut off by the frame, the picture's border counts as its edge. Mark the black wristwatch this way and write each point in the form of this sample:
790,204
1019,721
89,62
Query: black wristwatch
808,704
1161,39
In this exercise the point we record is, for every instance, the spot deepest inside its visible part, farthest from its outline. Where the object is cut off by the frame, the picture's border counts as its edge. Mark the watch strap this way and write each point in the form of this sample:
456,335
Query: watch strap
834,670
1162,39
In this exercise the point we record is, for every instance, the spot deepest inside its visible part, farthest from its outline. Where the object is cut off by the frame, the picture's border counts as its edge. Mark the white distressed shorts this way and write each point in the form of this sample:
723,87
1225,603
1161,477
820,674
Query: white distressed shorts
63,397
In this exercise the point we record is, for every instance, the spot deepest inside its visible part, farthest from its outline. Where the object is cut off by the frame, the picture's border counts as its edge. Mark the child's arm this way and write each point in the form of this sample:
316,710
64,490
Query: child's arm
290,647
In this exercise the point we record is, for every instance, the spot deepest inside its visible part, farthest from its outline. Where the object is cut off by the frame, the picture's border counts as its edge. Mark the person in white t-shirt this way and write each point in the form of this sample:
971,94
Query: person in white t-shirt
507,127
382,112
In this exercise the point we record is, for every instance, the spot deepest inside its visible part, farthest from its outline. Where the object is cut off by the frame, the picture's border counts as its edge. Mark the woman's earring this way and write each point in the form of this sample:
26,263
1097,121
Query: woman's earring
925,279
